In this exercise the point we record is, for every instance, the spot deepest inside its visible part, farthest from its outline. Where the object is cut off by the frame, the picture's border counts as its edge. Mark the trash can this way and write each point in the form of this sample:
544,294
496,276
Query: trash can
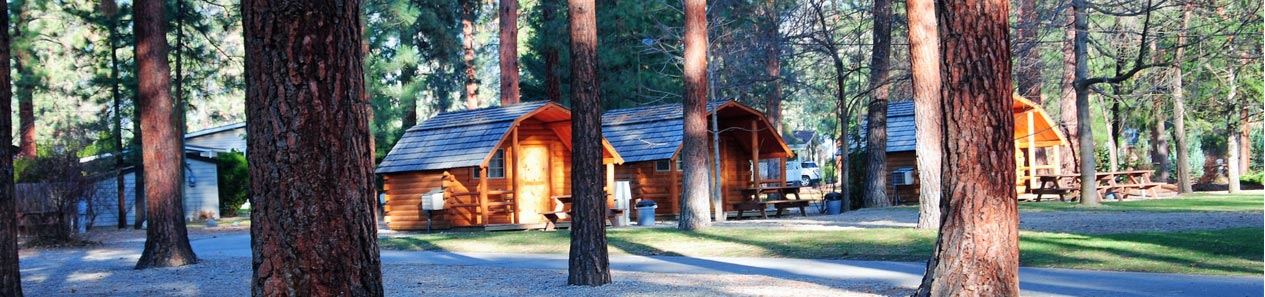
834,203
645,212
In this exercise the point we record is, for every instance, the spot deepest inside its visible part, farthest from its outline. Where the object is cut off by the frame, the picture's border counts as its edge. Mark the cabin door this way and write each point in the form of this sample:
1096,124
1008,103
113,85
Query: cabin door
533,174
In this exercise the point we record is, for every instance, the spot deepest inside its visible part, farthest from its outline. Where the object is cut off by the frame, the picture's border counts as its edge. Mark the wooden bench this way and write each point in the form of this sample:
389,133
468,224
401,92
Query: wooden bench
781,205
562,209
751,201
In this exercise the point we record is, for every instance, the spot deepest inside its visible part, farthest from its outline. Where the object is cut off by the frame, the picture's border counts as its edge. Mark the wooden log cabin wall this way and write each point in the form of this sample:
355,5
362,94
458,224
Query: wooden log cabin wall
497,167
1033,132
650,138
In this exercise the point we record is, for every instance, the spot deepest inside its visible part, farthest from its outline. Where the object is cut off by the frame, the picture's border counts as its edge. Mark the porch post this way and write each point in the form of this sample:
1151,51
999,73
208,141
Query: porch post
514,192
483,195
1032,150
755,155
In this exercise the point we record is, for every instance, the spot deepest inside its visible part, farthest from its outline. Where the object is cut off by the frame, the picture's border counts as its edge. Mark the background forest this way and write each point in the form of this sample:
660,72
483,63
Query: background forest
797,60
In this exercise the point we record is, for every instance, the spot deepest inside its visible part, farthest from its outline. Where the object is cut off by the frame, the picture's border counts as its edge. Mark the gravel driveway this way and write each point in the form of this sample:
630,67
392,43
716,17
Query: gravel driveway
1090,222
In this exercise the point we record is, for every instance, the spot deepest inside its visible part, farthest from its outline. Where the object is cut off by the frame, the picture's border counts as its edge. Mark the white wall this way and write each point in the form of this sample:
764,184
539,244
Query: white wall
202,195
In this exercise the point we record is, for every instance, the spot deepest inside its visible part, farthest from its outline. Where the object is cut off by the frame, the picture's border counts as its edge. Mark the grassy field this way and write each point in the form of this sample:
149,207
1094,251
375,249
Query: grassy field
1191,202
1225,252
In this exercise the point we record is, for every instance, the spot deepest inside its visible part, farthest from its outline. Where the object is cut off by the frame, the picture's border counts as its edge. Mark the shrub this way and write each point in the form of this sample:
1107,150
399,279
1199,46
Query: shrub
234,182
54,185
1253,178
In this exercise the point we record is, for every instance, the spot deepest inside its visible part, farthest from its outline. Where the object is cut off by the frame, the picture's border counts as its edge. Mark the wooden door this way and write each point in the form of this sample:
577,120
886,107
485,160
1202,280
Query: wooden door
533,174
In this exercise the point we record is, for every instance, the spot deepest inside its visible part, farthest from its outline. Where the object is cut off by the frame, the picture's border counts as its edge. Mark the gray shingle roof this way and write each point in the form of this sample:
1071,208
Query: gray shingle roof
454,139
900,127
647,133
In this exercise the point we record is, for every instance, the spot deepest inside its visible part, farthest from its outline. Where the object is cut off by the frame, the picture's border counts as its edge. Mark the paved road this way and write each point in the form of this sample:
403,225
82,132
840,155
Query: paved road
1032,281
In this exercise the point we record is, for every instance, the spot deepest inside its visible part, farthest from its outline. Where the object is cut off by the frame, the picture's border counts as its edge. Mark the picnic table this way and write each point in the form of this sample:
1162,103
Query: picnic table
1121,183
562,209
751,200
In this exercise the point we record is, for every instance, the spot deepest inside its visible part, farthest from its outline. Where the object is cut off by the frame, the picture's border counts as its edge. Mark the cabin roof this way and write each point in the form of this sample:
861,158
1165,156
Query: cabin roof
454,139
901,136
467,138
655,132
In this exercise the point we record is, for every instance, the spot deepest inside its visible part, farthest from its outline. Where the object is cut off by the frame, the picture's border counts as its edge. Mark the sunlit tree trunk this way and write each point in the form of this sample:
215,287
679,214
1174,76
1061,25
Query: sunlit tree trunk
1232,140
313,230
695,196
509,51
924,60
977,252
10,273
589,260
468,8
1089,190
1179,106
166,238
876,137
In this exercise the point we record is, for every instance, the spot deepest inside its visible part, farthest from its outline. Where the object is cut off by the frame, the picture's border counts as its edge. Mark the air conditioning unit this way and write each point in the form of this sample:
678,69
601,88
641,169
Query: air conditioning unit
903,177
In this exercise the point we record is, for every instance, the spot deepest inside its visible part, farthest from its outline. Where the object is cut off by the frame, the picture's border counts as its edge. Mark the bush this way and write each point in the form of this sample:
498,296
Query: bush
54,185
1252,178
234,182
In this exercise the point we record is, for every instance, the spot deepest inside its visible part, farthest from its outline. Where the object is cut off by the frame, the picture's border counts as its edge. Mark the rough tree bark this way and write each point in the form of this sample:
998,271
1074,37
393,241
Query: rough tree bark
924,63
876,137
977,252
26,82
1084,128
10,273
311,154
553,77
509,51
1067,97
166,239
589,260
1179,106
696,196
468,8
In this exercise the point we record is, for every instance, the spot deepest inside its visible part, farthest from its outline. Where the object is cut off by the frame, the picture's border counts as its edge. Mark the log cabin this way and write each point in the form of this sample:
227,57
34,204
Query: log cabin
650,139
498,168
1034,130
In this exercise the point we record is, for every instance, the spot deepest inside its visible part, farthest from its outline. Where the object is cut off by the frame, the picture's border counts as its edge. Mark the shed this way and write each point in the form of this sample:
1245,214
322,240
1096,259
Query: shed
650,140
201,193
497,167
1033,129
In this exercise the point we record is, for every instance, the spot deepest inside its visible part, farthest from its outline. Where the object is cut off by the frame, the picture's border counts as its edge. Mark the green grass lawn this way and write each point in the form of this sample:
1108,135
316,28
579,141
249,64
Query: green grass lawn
1189,202
1226,252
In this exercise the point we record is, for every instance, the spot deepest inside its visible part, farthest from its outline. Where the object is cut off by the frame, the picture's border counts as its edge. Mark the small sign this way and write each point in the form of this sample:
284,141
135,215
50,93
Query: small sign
433,200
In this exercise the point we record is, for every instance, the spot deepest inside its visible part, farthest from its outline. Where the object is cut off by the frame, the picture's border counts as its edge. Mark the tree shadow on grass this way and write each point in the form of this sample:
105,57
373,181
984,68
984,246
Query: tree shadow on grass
1069,243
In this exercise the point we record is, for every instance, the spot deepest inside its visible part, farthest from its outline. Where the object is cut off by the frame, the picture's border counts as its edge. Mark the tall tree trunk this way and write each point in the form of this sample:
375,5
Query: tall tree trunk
977,252
553,77
109,9
313,230
1233,141
1028,72
876,137
845,149
10,273
1089,190
468,8
695,196
1067,97
138,190
1245,138
924,63
773,66
166,239
509,52
26,81
589,260
1179,107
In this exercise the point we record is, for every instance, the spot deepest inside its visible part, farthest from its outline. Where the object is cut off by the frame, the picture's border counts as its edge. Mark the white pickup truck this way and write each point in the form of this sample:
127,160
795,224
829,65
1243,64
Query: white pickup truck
803,173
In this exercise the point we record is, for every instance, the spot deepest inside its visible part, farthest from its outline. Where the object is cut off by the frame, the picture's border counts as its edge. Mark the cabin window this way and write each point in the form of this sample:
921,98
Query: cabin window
663,165
496,167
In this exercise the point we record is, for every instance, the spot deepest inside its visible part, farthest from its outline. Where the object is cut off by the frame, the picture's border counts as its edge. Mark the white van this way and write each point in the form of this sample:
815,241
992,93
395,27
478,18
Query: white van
808,173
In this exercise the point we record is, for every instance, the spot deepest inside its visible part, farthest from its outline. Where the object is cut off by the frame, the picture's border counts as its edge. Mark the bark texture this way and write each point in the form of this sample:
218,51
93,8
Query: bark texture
311,154
553,76
1084,131
1179,107
589,260
26,81
166,239
10,273
876,137
924,60
695,196
509,51
1067,97
977,252
468,8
